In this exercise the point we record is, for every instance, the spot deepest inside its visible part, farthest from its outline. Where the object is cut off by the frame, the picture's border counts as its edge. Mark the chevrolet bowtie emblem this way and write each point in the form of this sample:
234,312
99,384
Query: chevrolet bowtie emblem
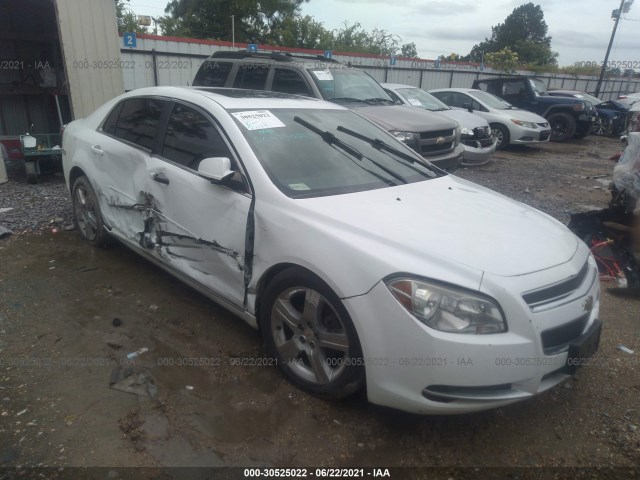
439,140
588,304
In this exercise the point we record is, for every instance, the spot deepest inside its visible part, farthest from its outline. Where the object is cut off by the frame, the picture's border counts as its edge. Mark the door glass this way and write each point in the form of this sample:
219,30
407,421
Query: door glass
289,81
191,137
252,76
138,121
109,125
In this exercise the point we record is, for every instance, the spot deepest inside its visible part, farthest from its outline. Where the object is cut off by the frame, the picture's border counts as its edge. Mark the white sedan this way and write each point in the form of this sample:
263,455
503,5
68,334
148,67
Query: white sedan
362,265
510,125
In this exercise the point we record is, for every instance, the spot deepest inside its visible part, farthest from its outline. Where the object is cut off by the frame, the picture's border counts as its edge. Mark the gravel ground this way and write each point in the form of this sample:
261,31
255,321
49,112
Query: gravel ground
32,208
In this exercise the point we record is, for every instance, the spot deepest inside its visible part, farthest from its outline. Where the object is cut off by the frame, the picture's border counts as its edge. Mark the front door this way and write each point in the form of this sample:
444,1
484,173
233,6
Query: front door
196,226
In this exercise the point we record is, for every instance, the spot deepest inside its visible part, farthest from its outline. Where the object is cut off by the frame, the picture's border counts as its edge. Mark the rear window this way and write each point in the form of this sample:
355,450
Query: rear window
213,74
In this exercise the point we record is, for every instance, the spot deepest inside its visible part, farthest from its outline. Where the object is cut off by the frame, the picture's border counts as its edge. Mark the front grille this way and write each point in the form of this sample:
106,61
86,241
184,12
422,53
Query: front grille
544,136
436,133
486,142
436,142
434,149
557,339
557,291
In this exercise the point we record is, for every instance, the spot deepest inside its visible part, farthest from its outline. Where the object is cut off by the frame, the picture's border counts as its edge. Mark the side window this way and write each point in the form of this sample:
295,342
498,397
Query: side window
191,137
444,97
109,125
289,81
252,76
458,100
138,121
513,88
476,106
213,74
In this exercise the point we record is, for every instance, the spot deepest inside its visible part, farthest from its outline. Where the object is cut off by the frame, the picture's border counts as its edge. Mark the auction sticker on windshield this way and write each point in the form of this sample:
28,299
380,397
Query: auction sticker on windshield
323,75
258,119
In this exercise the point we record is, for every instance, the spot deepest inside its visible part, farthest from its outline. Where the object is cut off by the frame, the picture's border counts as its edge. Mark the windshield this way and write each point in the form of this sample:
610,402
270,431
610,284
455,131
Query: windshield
419,98
539,88
490,100
346,83
305,153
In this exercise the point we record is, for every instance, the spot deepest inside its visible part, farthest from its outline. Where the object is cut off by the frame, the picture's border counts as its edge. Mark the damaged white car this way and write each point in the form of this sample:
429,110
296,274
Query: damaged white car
362,264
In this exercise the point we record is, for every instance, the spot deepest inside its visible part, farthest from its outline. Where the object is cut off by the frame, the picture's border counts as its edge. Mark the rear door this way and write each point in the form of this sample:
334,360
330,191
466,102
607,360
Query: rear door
121,150
196,226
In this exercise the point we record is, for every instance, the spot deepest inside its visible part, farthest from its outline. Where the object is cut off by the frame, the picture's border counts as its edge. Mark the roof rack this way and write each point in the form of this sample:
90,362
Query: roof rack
270,55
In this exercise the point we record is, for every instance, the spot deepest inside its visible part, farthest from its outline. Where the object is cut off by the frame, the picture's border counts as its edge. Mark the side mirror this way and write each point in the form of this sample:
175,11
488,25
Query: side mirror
468,107
216,169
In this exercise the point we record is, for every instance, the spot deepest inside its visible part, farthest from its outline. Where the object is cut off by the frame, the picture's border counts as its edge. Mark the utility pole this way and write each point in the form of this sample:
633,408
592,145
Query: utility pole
233,31
617,14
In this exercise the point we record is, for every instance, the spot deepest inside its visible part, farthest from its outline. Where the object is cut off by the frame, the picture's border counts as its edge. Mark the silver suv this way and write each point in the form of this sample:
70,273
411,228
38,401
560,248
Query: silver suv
434,136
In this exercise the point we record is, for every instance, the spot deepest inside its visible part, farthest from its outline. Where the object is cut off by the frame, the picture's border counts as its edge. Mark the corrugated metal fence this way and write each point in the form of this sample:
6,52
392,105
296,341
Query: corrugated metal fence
175,61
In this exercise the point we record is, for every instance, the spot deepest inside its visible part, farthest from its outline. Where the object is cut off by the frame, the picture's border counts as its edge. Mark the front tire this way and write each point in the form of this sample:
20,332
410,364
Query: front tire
501,133
86,213
563,126
309,332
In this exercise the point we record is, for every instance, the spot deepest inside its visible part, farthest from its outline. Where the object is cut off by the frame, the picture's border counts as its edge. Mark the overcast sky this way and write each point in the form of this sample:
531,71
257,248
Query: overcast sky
580,29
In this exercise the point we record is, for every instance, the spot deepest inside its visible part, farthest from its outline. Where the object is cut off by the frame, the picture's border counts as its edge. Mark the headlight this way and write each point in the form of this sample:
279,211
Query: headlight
579,107
448,309
410,138
524,124
467,131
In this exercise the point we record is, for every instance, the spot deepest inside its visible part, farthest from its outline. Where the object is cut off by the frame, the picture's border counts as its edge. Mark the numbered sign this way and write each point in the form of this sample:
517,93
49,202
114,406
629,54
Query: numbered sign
130,40
392,60
328,54
252,47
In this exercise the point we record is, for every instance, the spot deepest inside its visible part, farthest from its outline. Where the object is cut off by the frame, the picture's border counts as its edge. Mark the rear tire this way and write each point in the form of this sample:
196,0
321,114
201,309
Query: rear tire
86,213
309,332
563,126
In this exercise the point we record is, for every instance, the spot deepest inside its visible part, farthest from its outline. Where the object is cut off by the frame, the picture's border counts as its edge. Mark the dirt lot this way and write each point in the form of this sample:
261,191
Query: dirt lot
70,314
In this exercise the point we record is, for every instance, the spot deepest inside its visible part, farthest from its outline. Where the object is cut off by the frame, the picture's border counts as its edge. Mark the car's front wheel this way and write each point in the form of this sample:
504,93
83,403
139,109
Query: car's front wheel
309,332
501,134
563,126
86,213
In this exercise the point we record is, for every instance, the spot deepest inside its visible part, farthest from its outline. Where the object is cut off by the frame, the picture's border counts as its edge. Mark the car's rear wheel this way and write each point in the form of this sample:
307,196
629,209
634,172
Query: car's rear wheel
86,212
501,134
563,126
309,332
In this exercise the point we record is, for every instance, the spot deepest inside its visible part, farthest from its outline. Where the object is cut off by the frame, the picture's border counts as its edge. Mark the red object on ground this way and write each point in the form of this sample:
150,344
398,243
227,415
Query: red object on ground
14,148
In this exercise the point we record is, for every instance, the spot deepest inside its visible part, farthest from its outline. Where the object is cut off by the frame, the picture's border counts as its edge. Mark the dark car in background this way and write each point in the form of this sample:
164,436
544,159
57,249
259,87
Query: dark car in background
612,118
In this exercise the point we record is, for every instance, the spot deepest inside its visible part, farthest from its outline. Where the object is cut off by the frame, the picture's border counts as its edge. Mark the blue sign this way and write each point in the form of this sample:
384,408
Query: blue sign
437,65
130,40
328,54
252,47
392,60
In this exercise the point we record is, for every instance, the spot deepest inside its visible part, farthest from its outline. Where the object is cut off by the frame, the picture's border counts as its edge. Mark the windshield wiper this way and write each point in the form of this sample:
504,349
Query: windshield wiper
347,99
377,100
381,145
331,139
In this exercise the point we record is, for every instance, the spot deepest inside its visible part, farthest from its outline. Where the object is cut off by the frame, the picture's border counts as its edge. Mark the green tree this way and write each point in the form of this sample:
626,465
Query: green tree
127,20
255,21
505,60
304,32
524,32
409,50
354,38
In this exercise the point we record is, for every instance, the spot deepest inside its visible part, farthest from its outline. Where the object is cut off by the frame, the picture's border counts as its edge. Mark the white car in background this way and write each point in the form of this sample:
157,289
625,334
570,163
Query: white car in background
510,125
630,99
363,265
479,143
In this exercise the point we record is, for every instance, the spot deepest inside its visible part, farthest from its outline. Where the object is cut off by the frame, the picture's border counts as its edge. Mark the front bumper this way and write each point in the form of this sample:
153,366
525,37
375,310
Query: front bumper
529,136
412,367
449,161
476,154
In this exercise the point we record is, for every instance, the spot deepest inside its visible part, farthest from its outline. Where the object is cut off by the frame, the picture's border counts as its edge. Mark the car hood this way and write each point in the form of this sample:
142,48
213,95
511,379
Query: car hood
466,119
447,219
404,118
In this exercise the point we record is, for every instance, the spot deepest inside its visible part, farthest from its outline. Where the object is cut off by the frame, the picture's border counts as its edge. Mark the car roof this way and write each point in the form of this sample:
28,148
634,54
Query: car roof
461,90
232,98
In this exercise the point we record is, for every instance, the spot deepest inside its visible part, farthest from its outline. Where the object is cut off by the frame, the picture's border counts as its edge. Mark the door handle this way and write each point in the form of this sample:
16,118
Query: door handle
160,178
97,150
